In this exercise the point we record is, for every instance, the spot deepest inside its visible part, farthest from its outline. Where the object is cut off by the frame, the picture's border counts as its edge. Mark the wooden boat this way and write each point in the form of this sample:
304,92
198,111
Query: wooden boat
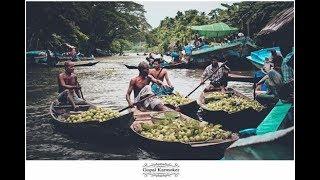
179,65
240,78
200,57
278,145
248,118
114,127
79,63
257,58
235,51
79,58
190,109
177,150
34,57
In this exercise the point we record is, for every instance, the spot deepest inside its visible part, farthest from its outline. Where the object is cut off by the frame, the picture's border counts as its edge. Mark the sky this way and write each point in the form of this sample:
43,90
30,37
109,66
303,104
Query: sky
158,10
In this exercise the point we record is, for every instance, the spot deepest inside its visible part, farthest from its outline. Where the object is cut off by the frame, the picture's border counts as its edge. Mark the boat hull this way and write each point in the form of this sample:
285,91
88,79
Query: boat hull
278,145
79,63
189,109
178,150
248,118
116,127
169,66
235,121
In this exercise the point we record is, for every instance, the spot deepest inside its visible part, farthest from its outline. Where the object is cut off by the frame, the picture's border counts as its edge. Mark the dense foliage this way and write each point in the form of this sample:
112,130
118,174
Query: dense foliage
248,17
86,25
119,26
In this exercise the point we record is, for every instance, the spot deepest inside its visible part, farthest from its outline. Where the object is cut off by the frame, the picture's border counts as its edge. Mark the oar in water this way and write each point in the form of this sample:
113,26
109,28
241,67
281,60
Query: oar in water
207,78
137,103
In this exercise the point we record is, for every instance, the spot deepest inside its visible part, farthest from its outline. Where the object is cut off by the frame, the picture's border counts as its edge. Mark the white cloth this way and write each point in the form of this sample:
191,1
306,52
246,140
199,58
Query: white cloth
209,70
152,102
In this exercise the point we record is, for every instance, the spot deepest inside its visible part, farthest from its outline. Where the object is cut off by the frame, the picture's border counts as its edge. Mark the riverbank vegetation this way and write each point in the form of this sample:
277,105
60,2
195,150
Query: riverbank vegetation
121,26
248,17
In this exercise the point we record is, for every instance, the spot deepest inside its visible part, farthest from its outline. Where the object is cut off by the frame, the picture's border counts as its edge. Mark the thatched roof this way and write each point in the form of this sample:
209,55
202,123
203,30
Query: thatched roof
278,22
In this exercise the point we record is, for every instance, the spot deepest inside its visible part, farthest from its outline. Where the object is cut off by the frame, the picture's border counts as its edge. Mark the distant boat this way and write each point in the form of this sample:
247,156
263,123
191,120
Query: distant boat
34,57
48,58
178,65
257,58
235,50
79,63
78,57
100,52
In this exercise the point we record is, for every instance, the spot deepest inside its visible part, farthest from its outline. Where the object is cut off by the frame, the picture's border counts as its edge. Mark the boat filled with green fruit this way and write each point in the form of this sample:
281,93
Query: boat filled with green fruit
90,120
180,103
231,109
172,133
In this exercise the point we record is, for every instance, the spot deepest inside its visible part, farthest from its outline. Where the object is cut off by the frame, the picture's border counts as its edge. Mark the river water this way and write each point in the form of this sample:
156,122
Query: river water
104,84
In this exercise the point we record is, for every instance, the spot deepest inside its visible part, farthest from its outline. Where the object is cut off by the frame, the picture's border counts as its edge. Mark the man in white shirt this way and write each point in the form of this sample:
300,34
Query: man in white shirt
218,77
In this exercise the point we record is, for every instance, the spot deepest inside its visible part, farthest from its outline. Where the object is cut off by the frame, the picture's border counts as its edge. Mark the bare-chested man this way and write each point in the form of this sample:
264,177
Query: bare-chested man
141,89
69,87
160,74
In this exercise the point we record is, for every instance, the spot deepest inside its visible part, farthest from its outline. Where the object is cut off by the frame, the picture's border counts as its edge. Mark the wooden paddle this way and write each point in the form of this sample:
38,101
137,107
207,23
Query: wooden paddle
87,105
137,103
207,78
80,90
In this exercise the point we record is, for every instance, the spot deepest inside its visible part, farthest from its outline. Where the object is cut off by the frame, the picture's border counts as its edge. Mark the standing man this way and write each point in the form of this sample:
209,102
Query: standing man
69,88
141,89
160,73
218,79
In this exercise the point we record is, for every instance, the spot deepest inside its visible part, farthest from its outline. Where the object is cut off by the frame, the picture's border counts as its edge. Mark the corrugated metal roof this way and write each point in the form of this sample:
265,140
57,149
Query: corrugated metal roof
281,19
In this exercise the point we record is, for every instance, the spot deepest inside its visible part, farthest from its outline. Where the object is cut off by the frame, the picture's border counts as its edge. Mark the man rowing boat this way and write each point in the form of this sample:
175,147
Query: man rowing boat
218,80
160,74
69,88
142,89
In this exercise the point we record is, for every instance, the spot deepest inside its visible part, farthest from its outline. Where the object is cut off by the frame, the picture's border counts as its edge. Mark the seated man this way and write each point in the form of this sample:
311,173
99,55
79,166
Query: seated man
286,90
277,60
274,82
218,80
160,74
69,87
262,88
142,89
188,52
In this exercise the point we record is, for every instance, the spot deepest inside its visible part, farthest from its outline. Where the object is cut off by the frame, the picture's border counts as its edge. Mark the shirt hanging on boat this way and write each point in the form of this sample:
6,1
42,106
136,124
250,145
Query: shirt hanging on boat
209,70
